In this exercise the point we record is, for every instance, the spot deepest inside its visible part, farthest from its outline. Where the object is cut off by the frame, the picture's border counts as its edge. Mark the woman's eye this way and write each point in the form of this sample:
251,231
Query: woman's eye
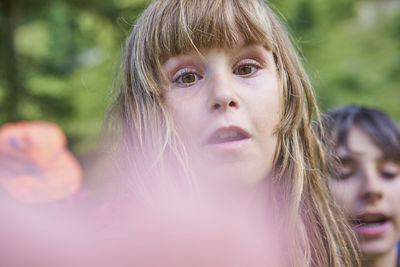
245,70
187,78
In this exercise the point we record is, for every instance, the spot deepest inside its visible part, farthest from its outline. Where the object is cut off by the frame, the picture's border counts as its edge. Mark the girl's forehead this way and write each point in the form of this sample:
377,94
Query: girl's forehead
377,158
361,146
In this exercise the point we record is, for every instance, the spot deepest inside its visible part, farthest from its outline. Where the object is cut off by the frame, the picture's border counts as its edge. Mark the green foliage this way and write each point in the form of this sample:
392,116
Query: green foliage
351,50
65,55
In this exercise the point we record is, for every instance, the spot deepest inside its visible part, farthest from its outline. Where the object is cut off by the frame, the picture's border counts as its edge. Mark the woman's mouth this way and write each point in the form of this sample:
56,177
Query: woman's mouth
371,224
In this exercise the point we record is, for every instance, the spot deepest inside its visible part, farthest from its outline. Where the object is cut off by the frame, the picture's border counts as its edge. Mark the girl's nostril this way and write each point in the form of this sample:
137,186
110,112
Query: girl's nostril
217,106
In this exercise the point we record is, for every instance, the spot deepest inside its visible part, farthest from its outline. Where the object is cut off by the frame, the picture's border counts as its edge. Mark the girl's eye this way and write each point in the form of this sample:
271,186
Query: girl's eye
388,175
346,170
245,70
389,171
345,174
187,79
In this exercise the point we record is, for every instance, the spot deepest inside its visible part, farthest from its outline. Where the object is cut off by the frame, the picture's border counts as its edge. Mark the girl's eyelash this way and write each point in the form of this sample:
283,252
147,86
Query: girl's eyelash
246,68
182,72
345,172
248,61
243,62
388,175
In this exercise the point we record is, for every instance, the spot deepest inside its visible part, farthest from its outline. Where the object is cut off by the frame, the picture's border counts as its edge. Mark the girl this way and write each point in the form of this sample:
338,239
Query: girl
368,184
214,90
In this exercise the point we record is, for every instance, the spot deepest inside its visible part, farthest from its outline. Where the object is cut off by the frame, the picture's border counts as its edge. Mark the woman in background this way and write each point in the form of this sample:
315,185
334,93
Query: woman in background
367,186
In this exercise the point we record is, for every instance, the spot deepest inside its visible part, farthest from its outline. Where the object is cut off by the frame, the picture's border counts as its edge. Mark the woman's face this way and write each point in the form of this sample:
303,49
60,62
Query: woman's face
368,189
226,106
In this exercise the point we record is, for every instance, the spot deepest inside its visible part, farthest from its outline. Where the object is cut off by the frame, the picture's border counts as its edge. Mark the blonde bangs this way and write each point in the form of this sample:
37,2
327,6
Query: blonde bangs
183,26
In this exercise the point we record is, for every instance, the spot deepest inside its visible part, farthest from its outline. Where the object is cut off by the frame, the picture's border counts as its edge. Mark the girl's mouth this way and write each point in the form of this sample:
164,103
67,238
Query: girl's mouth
228,139
371,224
226,136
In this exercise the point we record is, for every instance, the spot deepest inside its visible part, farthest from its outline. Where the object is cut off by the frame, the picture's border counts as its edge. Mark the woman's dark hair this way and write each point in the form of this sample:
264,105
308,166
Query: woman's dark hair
383,131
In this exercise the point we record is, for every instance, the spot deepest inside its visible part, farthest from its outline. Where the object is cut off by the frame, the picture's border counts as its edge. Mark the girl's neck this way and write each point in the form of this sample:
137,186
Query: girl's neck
386,260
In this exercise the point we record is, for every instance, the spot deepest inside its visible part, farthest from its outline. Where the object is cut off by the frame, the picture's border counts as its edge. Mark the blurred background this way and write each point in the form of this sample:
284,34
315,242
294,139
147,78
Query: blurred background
59,59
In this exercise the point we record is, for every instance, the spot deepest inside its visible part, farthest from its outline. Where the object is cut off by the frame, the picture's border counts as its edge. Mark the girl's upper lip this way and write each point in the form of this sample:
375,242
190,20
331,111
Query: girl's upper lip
227,129
371,217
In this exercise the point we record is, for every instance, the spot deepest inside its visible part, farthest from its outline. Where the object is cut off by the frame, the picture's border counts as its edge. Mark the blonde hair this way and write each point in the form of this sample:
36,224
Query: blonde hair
171,27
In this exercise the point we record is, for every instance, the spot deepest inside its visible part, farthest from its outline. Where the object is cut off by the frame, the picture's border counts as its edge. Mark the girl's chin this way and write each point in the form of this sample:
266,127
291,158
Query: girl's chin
241,171
230,175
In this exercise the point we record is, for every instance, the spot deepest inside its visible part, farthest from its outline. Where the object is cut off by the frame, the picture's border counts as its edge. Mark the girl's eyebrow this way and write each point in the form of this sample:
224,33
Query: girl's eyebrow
390,164
346,160
173,64
243,47
175,60
387,159
255,52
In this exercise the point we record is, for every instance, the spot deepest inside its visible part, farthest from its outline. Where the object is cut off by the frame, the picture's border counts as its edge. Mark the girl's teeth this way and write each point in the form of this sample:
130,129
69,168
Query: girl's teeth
227,134
372,224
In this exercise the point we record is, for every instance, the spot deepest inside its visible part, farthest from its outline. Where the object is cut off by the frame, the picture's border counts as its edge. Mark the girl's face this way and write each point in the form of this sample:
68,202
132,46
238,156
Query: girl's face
369,191
226,106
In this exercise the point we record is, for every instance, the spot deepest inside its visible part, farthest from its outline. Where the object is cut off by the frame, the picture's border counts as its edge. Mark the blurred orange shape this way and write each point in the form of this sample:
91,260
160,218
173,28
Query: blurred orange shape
35,165
35,141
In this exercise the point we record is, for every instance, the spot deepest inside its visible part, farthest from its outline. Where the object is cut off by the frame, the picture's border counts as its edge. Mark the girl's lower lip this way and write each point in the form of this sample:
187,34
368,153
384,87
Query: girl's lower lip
372,230
232,145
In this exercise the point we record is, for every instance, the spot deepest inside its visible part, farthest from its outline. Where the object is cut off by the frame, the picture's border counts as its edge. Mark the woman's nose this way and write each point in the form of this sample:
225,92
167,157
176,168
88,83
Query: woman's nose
223,95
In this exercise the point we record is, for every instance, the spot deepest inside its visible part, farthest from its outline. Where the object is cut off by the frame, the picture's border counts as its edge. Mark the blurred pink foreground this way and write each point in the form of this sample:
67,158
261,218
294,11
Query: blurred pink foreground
218,228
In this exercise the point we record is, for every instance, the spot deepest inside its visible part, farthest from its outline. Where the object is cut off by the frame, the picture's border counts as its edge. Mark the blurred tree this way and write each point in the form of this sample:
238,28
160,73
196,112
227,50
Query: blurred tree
304,20
48,51
351,49
14,66
66,43
9,71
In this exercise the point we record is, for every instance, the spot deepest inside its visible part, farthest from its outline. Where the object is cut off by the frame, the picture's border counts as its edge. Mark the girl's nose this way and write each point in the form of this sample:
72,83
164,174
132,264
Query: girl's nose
224,104
223,95
372,188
